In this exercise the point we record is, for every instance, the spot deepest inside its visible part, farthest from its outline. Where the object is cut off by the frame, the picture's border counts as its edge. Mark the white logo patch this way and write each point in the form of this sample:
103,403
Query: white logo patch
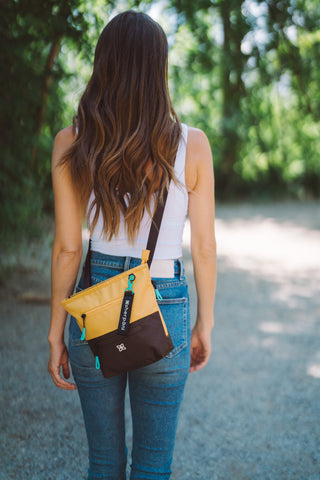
121,347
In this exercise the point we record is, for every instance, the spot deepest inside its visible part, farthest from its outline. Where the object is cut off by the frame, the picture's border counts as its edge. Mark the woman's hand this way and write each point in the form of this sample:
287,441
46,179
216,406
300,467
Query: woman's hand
59,358
200,347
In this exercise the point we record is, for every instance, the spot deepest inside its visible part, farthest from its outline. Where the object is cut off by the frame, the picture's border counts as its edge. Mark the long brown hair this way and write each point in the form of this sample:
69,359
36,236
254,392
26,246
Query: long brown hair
128,131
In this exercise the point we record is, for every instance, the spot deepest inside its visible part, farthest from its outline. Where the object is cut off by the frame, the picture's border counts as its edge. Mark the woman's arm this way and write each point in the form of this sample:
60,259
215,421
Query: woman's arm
200,183
66,256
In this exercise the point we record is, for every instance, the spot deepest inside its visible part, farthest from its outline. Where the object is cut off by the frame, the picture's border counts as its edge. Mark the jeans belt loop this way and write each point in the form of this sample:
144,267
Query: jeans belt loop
181,269
126,265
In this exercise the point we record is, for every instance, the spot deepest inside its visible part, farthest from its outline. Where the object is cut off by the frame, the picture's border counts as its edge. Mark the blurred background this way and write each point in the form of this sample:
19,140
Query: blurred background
245,71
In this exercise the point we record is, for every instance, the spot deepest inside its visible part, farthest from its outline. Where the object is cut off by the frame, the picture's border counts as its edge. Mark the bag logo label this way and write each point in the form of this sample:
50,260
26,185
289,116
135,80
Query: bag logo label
125,313
121,347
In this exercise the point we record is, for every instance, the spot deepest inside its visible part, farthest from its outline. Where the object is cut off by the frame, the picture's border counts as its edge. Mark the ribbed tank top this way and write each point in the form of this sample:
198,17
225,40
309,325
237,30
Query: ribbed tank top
169,244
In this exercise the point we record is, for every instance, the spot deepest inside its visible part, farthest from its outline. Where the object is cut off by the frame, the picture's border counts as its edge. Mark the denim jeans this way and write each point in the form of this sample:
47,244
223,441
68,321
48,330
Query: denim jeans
155,391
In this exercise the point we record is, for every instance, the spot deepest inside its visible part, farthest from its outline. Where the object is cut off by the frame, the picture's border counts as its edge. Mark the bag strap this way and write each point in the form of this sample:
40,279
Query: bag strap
87,268
151,244
155,226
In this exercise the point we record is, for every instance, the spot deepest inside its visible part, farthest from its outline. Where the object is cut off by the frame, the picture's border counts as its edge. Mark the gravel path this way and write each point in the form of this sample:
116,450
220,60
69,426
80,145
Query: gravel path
252,413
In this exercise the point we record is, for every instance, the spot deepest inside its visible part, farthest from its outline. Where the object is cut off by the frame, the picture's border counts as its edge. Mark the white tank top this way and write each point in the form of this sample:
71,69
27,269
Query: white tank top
169,244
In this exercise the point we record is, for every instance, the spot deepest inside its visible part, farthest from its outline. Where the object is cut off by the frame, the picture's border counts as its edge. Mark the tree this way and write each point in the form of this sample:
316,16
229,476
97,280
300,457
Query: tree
31,35
255,64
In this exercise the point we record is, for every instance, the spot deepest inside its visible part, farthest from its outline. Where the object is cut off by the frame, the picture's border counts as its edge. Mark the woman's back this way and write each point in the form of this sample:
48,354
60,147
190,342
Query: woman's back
169,243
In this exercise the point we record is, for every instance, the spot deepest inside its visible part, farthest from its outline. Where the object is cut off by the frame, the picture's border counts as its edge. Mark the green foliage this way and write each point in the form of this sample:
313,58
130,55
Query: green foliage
33,103
244,71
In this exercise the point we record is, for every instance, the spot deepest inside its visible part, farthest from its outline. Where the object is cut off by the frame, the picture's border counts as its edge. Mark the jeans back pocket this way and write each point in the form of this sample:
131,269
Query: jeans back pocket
175,315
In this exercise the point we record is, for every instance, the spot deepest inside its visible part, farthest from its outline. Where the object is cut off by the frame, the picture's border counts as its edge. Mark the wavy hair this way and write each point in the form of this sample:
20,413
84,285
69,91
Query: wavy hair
128,131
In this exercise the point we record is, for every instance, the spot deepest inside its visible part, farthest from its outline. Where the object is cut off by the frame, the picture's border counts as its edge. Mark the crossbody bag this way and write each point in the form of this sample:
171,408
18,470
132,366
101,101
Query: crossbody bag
120,317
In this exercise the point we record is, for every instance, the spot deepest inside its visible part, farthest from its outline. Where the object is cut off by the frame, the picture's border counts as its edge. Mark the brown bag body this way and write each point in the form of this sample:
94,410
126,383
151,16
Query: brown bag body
145,343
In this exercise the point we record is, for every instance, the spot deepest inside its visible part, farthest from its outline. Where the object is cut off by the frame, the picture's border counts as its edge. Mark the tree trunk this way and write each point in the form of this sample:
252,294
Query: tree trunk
232,63
53,53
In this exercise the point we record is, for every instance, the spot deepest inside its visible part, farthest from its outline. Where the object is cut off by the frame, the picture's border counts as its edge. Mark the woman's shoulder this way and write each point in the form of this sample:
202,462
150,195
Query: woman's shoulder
197,139
66,136
198,155
62,141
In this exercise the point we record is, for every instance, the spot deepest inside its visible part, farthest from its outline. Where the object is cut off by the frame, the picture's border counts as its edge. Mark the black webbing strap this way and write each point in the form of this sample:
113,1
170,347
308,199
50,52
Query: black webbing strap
151,244
155,226
87,268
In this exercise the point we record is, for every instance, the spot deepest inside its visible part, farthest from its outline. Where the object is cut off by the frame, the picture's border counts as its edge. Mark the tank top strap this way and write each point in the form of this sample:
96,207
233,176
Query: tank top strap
180,161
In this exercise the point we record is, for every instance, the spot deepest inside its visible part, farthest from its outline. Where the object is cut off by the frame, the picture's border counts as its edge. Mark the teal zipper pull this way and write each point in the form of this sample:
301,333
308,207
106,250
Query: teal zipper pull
83,335
158,294
131,279
97,362
156,291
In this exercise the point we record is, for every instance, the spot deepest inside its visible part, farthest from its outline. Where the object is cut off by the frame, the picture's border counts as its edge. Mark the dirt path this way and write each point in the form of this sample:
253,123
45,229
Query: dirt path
252,413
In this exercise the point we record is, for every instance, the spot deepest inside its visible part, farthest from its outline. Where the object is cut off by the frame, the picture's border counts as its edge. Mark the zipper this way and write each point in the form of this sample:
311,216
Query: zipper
85,290
92,311
92,287
101,307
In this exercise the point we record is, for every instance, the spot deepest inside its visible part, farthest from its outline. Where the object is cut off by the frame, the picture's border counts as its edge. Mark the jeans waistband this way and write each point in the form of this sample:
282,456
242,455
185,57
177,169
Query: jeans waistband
127,262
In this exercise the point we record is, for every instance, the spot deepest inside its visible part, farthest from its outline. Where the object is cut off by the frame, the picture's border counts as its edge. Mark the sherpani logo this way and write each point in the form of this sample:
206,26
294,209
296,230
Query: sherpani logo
125,314
121,347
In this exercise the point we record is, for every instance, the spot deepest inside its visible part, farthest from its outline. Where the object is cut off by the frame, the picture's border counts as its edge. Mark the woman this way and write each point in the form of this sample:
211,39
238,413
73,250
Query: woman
125,146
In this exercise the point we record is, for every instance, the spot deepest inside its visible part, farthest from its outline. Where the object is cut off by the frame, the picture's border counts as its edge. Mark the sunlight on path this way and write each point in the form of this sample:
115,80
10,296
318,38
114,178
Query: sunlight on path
281,251
262,242
269,247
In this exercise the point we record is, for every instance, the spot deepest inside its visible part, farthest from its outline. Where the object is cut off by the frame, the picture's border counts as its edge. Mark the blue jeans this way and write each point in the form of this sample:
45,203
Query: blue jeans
155,391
